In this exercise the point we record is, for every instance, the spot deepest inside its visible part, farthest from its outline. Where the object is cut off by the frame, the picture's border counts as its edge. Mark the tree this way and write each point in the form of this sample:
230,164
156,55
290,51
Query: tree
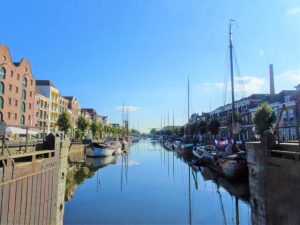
100,129
153,131
64,122
94,128
264,118
214,126
202,126
82,125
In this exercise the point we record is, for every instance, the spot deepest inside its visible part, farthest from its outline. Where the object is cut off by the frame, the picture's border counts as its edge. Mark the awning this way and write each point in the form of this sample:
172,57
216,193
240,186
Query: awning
17,130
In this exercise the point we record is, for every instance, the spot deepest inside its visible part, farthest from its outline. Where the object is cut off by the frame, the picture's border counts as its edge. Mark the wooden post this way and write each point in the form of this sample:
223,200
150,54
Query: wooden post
3,141
26,139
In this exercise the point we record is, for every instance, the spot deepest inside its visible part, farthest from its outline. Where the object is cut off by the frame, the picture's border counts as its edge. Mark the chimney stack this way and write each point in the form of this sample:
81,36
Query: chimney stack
272,87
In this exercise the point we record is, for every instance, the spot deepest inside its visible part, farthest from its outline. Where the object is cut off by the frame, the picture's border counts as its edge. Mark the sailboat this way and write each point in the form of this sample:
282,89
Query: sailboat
186,146
233,166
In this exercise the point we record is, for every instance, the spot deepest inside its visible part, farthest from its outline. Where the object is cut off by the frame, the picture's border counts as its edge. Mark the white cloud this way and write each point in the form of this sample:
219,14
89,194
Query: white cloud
245,84
294,11
250,84
287,80
129,108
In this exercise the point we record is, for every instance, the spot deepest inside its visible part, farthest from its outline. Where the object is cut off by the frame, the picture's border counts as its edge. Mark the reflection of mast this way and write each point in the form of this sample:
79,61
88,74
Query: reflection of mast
173,165
122,174
222,206
126,166
97,181
237,214
168,165
190,198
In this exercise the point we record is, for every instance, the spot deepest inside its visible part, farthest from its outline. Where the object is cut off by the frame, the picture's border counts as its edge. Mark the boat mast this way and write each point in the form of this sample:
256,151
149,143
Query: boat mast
234,128
188,99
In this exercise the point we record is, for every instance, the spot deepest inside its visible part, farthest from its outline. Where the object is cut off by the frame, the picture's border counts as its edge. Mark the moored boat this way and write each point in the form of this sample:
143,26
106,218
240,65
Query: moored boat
234,167
99,150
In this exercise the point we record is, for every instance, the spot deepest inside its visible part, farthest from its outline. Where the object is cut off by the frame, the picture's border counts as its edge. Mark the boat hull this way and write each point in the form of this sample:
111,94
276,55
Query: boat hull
99,152
234,170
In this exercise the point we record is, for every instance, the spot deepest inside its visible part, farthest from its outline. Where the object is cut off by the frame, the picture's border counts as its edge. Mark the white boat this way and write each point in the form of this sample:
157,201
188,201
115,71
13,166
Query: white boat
99,150
114,145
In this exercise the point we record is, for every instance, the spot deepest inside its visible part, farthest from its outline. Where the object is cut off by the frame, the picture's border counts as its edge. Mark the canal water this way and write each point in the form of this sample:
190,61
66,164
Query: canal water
151,185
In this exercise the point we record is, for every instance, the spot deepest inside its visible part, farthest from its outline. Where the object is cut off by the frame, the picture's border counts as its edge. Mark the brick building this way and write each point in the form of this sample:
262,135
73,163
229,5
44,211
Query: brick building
74,109
92,112
17,88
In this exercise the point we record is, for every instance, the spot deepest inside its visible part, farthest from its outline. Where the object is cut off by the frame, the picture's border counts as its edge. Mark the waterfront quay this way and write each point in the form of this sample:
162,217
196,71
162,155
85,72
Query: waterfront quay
56,183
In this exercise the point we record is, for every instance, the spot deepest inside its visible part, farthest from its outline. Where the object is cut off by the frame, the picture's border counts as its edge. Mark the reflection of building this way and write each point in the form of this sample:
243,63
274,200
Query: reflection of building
17,88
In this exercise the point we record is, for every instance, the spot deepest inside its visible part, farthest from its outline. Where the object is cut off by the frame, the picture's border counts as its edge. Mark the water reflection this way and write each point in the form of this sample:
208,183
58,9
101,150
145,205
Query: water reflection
148,186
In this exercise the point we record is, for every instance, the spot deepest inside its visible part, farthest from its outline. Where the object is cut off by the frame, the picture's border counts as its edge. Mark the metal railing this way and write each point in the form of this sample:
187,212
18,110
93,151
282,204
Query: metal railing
21,138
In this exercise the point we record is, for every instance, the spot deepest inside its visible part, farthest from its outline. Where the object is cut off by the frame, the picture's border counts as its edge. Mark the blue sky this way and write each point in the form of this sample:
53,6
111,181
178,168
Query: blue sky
141,52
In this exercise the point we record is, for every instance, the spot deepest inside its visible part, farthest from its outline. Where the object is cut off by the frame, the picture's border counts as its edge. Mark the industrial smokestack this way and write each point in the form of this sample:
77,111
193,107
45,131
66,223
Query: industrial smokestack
272,87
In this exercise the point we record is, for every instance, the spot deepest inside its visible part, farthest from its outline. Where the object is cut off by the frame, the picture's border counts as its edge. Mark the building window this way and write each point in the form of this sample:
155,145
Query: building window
29,106
29,119
8,115
3,58
1,102
2,73
10,87
11,73
1,88
31,82
17,90
16,102
16,116
22,120
22,107
18,76
9,101
24,82
23,95
30,93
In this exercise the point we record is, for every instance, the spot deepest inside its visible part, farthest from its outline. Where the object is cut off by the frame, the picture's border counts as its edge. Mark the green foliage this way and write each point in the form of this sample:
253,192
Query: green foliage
135,132
153,131
94,128
202,126
214,126
264,118
64,122
192,128
82,124
78,134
